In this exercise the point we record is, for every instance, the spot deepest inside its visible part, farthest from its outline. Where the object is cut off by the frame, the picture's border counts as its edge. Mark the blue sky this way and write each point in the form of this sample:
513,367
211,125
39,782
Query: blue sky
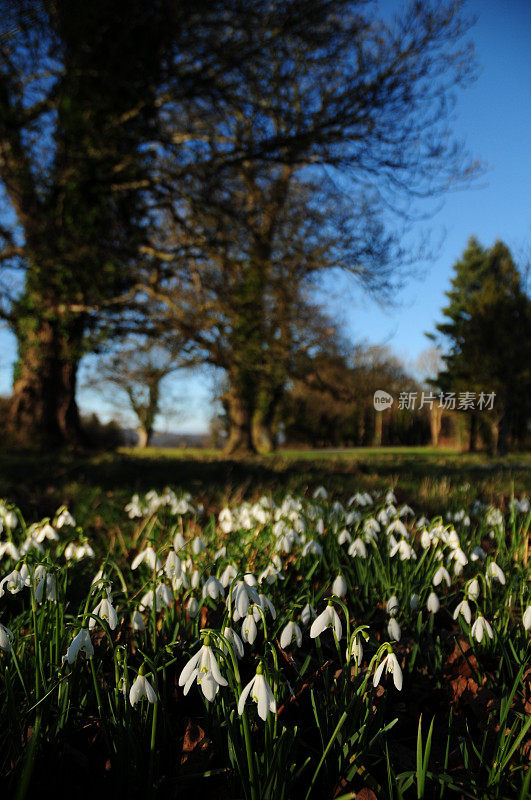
493,116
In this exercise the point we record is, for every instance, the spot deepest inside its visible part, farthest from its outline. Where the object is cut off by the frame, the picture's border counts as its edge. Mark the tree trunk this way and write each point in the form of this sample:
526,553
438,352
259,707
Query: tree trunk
435,425
472,442
143,436
43,410
378,427
240,440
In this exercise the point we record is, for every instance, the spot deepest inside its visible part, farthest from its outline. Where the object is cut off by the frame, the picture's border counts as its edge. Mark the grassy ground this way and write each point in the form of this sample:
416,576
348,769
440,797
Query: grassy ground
431,479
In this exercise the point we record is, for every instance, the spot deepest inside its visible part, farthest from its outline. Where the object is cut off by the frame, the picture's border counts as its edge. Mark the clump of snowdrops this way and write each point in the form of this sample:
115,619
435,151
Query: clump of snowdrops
286,631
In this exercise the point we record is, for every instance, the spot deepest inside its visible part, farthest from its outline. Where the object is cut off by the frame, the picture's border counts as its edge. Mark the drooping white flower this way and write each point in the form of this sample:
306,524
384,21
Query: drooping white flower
339,587
433,604
172,565
178,542
161,597
472,589
228,575
105,610
392,605
234,641
320,492
312,548
414,601
141,688
221,553
478,554
6,638
291,632
204,668
249,629
192,607
81,643
480,627
356,650
358,548
12,582
46,532
464,609
393,628
495,572
213,588
149,556
344,537
328,618
198,545
390,664
440,575
526,618
46,588
266,605
241,596
10,550
64,518
261,694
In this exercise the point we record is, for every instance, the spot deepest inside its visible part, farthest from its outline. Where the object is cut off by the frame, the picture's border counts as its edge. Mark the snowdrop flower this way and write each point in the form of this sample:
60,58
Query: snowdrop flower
339,587
270,575
225,520
162,596
371,527
414,601
81,643
291,632
266,605
241,596
46,587
172,565
459,556
390,664
404,550
137,621
204,668
249,629
472,589
178,542
46,532
433,603
234,641
308,613
12,582
312,548
64,518
426,540
9,549
133,509
526,618
198,545
392,605
30,543
261,694
344,537
319,526
320,492
141,688
221,553
105,610
495,572
150,557
357,548
440,575
480,627
398,526
6,638
464,609
10,519
394,630
355,650
228,575
192,607
328,618
213,588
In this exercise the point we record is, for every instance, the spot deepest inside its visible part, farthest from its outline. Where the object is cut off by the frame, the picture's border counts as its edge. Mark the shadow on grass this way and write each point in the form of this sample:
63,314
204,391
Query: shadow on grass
37,483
